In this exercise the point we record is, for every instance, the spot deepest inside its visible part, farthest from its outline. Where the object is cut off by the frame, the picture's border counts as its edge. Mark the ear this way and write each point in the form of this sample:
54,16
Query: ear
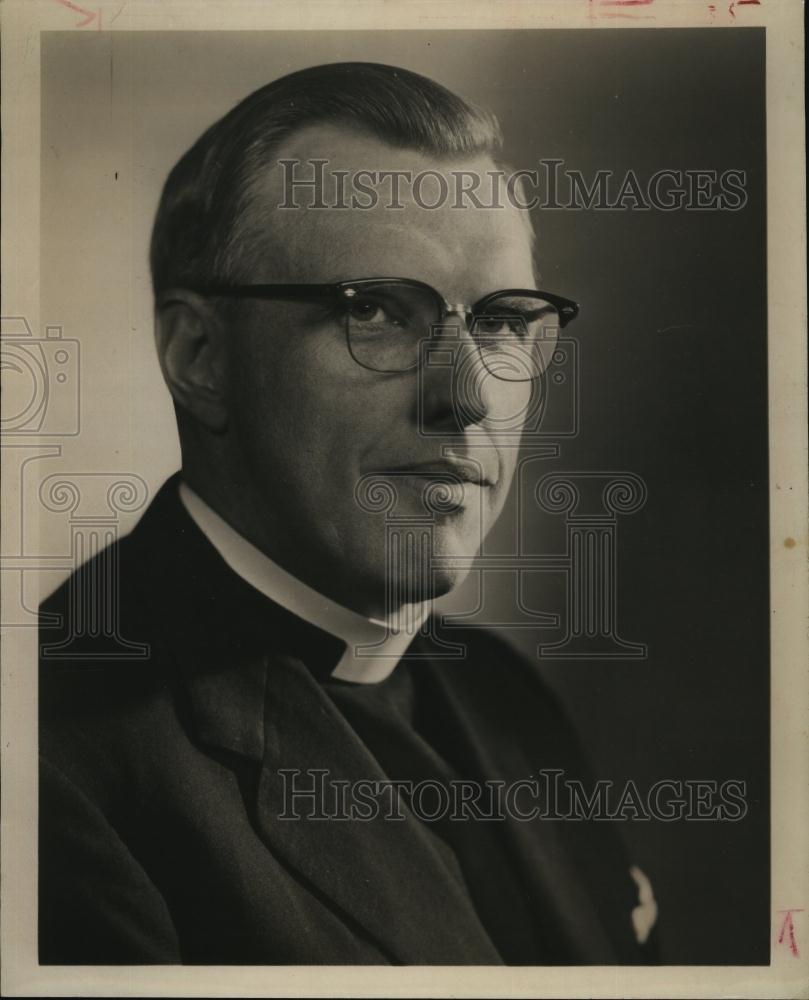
191,346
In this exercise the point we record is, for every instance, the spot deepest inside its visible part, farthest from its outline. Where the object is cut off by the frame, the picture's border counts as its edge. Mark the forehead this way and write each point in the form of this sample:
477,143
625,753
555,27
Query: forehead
463,250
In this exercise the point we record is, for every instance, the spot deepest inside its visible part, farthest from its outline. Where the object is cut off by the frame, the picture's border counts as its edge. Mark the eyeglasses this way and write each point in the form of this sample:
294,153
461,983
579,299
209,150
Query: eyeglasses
386,320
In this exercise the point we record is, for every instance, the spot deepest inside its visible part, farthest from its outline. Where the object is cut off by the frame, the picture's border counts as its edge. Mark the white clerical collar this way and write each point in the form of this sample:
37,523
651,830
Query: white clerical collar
372,647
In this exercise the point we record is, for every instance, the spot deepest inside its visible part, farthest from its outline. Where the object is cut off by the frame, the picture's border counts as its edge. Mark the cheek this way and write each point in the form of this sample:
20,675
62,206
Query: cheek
508,405
307,409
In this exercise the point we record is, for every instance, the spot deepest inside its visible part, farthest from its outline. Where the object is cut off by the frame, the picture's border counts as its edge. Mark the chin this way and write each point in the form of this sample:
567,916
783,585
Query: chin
423,579
416,589
400,568
445,581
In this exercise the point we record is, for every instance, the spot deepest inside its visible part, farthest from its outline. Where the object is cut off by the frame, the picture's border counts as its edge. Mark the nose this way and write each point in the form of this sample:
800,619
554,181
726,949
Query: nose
460,312
453,376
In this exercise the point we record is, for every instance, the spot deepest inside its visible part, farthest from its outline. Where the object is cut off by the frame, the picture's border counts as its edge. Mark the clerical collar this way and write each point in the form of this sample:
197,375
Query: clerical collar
373,647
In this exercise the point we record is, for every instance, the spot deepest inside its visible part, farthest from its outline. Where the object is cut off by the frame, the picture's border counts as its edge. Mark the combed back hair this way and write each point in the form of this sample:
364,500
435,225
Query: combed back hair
199,232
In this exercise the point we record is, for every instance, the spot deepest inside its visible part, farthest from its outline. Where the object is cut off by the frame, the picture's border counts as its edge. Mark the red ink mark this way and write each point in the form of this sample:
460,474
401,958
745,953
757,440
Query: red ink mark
788,930
742,3
600,4
89,15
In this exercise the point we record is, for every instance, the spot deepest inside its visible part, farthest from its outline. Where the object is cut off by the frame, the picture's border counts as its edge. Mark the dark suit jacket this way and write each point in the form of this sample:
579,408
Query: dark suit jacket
159,789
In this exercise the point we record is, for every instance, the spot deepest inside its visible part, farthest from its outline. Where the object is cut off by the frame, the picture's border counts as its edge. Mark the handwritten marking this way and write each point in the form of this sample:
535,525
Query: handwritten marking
742,3
89,15
596,8
788,930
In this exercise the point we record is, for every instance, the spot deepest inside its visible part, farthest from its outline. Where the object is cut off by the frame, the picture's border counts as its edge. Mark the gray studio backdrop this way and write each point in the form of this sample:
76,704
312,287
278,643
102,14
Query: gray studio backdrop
672,365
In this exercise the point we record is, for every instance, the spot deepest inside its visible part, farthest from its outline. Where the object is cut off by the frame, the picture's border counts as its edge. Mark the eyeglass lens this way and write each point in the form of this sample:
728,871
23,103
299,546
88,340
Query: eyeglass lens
387,324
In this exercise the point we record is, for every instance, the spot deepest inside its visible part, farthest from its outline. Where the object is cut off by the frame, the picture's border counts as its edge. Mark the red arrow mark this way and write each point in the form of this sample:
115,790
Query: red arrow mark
89,15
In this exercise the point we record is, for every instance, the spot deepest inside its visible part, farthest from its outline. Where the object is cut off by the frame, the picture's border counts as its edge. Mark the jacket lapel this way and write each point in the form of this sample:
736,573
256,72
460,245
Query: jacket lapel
246,691
387,875
569,915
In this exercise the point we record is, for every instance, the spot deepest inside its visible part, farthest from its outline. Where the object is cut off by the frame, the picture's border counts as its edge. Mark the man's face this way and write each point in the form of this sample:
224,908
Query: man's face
311,423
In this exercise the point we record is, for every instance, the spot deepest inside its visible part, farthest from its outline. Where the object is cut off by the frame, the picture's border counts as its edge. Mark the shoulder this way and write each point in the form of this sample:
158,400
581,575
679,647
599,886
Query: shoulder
105,672
108,618
98,625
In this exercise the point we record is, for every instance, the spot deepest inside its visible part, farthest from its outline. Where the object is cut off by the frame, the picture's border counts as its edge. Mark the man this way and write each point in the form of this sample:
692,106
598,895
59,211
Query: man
341,379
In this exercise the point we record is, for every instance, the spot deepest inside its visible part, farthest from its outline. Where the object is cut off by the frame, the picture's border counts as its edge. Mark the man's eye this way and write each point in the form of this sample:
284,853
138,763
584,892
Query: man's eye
500,326
374,314
366,312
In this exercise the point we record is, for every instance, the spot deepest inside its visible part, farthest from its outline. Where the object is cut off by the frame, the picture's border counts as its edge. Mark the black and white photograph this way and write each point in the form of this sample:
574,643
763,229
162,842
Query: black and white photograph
404,524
